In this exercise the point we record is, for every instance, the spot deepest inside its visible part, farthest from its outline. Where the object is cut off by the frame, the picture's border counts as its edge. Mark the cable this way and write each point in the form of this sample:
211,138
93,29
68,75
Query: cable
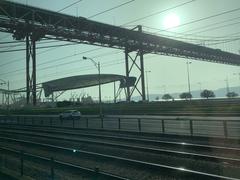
57,11
151,14
159,12
219,27
17,70
203,19
209,25
115,7
184,33
88,17
69,5
86,68
186,36
43,47
169,8
14,60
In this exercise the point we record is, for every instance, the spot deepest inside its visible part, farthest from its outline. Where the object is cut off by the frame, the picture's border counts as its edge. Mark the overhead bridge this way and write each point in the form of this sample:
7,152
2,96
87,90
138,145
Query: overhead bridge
32,24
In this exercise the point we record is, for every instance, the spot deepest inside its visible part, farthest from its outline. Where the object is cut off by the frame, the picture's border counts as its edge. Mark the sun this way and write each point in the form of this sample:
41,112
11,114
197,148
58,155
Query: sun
171,20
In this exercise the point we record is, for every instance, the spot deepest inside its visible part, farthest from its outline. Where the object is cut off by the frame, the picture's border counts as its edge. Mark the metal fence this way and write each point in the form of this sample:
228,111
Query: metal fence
181,126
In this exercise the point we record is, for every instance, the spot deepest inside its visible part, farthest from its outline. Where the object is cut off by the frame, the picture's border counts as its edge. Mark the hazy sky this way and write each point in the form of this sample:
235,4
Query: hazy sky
220,32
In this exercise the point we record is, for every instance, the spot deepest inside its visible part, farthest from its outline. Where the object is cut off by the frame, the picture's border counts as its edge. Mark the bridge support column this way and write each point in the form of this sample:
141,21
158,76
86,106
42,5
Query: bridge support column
140,68
31,93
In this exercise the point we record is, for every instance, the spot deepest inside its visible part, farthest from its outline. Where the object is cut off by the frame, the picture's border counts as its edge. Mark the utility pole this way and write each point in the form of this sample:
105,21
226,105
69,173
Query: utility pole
188,76
200,86
239,80
227,85
147,84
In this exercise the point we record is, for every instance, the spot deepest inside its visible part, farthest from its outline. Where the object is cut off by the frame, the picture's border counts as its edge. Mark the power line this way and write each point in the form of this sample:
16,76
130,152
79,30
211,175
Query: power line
17,70
14,60
89,67
203,19
170,8
185,33
86,68
42,47
115,7
88,17
57,11
212,24
159,12
186,36
68,6
219,27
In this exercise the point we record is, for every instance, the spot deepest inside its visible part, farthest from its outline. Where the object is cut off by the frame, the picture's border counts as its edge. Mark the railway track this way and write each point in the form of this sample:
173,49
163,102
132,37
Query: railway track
181,172
9,134
181,154
136,139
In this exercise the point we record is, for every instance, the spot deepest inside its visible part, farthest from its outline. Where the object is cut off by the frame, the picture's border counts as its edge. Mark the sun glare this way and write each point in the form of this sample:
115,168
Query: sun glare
171,20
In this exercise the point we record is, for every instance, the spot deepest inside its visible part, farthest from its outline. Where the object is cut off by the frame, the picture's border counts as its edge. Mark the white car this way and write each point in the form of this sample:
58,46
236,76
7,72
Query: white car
70,114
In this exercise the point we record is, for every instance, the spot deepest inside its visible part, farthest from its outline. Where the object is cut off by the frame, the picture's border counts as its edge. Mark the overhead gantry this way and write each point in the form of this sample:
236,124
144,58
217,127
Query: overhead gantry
32,24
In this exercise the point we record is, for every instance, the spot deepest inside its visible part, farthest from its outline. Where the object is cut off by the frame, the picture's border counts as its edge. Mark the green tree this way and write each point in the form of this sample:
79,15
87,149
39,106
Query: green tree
167,97
207,94
231,94
185,95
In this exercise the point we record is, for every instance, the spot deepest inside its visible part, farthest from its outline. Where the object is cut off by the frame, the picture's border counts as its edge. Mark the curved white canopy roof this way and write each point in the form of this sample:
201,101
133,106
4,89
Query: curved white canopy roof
83,81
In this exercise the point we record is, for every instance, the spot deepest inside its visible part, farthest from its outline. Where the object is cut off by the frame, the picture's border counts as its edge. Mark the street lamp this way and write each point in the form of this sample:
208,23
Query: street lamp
239,80
97,65
189,88
200,86
146,72
227,85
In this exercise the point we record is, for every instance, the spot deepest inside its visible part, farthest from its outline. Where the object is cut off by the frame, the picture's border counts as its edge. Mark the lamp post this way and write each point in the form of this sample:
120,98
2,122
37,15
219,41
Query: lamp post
189,87
97,65
200,86
227,85
239,80
147,84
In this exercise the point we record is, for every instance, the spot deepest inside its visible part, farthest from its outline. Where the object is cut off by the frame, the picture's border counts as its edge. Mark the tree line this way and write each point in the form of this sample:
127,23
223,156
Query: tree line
204,94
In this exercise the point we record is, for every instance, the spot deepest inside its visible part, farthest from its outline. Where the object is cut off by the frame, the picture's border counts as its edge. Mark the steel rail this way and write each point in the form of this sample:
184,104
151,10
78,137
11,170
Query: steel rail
133,139
63,164
182,154
181,172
